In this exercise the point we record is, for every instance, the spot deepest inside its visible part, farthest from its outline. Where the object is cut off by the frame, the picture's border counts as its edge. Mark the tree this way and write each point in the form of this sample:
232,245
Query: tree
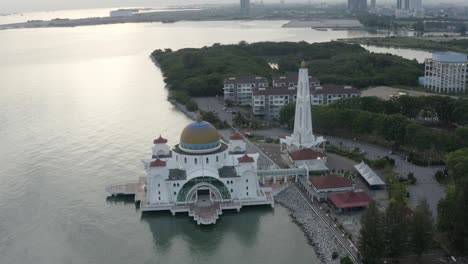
346,260
395,222
287,115
453,209
457,163
371,243
421,227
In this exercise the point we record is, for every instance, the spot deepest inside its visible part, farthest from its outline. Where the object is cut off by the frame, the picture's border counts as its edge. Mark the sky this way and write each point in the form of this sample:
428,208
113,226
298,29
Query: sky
10,6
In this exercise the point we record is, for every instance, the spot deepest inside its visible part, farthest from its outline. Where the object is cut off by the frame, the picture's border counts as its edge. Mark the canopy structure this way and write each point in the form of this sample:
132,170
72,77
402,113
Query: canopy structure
372,179
317,165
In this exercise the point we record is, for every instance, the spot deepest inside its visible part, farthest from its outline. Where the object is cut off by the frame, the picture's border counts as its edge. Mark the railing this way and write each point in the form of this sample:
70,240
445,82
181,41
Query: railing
280,189
282,172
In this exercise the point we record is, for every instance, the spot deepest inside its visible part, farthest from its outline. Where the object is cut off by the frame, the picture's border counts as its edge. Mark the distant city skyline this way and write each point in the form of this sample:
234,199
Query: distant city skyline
50,5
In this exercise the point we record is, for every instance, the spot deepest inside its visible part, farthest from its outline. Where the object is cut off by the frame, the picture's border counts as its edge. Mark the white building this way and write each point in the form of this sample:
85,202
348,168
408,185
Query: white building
269,101
202,175
290,80
409,8
324,185
446,72
239,89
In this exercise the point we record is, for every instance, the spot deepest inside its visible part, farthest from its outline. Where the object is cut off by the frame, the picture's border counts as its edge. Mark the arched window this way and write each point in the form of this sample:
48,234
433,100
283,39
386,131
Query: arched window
175,193
173,185
246,180
247,187
159,185
217,159
159,192
185,160
178,185
207,161
232,190
247,193
196,161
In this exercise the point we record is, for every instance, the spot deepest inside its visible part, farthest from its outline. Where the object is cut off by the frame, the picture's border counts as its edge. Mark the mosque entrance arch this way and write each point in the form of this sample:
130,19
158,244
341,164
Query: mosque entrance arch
214,188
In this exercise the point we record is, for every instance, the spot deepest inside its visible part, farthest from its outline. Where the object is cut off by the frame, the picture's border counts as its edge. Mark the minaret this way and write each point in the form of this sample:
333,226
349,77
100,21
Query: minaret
303,136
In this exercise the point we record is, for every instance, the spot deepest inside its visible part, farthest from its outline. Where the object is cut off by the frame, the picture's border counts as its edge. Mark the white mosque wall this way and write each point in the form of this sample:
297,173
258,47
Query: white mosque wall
237,146
160,149
157,189
190,161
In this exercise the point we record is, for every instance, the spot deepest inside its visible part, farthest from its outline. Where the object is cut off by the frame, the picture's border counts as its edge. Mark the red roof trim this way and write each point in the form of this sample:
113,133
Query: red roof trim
160,140
236,136
158,163
330,182
246,159
306,154
350,199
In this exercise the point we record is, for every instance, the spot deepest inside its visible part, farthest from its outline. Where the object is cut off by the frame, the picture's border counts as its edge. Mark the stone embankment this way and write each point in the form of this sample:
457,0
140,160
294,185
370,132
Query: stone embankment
317,233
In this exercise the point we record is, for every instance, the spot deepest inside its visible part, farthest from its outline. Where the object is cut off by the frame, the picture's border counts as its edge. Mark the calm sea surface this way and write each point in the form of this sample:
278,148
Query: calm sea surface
79,108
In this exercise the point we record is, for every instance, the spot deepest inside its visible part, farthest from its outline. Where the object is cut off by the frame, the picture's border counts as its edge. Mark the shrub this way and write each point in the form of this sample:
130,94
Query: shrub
411,178
346,260
439,176
335,255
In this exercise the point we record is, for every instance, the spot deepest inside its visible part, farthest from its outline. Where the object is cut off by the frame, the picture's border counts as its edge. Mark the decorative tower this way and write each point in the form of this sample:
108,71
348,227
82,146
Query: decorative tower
303,136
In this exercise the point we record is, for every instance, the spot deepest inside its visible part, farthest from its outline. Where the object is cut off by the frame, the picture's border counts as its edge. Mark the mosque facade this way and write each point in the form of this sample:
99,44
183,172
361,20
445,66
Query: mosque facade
202,175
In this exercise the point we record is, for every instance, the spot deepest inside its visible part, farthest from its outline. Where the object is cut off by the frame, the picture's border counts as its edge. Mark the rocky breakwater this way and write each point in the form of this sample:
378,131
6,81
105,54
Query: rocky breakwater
317,233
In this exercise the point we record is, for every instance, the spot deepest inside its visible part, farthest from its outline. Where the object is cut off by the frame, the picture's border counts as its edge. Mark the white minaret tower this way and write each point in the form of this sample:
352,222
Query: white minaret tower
303,136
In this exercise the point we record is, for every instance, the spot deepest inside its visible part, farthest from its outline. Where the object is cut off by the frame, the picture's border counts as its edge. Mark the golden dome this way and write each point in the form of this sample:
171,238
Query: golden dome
198,136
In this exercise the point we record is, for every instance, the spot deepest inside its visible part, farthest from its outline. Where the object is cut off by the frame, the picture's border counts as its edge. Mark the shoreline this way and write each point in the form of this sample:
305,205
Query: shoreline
315,231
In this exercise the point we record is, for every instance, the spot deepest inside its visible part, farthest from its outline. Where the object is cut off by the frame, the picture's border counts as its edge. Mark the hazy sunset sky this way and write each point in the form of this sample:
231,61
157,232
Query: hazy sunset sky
7,6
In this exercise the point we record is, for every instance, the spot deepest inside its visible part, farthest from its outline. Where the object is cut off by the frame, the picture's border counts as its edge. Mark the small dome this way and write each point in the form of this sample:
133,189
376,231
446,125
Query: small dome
200,136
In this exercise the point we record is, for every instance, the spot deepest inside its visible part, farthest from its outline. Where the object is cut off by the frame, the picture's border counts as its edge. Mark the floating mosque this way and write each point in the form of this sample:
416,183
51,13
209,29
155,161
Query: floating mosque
203,175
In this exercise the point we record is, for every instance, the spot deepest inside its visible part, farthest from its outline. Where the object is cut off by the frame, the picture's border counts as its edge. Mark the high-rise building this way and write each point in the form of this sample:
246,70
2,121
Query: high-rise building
446,72
409,8
357,6
245,7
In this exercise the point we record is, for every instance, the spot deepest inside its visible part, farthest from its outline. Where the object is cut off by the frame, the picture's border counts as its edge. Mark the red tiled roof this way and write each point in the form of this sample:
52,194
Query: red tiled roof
292,78
306,154
246,159
350,199
409,211
314,90
160,140
330,182
158,163
334,89
245,79
236,136
283,90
